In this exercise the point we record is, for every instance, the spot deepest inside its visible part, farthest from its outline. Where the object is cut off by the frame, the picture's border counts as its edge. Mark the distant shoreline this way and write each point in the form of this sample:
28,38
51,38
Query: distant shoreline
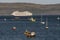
36,9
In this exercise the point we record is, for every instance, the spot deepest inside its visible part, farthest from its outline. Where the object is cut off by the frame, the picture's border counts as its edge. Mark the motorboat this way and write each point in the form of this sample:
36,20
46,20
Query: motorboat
33,20
30,34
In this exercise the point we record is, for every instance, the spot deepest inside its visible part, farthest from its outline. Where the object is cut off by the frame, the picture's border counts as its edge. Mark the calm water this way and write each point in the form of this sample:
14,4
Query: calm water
23,23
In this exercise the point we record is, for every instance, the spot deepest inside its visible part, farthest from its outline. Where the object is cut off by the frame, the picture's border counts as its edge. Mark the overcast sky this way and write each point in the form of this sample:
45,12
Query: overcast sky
32,1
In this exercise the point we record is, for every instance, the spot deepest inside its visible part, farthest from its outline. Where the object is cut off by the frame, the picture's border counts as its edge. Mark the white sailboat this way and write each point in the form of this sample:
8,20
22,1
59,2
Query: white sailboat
58,18
42,21
46,23
4,19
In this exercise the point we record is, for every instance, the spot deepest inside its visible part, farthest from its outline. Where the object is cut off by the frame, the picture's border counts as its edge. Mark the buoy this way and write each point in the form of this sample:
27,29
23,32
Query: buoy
14,28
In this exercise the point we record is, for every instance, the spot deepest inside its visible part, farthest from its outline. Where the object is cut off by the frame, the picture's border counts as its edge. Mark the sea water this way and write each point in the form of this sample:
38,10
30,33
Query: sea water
23,23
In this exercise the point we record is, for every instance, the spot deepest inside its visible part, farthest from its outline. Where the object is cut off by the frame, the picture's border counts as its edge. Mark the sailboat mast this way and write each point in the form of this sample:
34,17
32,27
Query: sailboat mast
46,22
58,20
41,20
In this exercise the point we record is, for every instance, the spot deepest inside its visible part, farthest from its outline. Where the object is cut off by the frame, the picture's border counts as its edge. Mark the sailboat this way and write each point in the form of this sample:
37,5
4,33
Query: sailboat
4,19
42,21
58,18
46,23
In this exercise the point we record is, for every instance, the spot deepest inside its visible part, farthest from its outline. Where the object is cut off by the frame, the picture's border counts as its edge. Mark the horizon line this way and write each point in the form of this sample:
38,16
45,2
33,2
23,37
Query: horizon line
30,3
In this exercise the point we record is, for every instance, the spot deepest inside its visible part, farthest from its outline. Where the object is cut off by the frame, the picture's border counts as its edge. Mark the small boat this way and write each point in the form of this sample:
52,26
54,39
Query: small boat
30,34
41,20
58,18
46,27
4,19
46,23
33,20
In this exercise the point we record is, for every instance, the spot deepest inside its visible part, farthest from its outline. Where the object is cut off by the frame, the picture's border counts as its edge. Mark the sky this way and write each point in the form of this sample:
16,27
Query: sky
31,1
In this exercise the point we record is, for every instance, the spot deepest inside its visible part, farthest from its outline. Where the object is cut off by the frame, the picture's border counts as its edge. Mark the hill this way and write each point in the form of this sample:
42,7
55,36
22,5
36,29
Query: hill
36,9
